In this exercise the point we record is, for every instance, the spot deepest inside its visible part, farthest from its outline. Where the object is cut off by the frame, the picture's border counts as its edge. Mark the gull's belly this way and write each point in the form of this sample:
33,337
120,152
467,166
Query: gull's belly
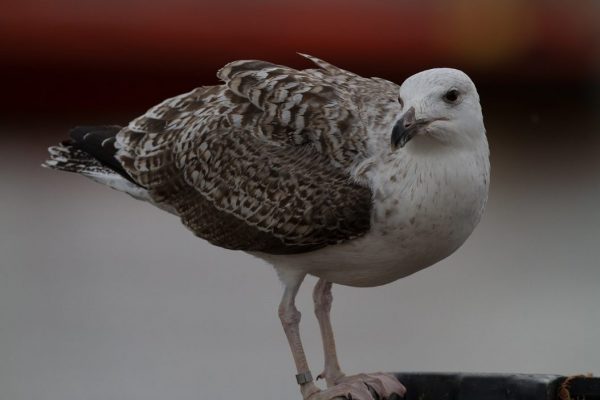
378,259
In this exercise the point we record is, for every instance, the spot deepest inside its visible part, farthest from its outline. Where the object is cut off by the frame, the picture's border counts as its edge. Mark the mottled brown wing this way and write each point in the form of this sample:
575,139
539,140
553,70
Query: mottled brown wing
258,164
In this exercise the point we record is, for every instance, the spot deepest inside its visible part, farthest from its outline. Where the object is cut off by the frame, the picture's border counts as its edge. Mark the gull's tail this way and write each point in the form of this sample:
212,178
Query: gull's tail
91,152
90,149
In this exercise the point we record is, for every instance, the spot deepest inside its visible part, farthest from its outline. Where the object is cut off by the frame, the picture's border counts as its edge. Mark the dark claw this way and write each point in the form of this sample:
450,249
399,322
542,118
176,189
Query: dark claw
374,394
394,396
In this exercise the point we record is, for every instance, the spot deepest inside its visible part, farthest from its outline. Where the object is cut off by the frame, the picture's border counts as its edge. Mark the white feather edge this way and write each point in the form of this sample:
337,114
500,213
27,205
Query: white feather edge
118,183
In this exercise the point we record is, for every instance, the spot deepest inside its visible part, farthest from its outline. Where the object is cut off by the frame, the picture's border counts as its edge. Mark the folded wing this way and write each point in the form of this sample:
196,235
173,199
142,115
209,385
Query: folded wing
260,163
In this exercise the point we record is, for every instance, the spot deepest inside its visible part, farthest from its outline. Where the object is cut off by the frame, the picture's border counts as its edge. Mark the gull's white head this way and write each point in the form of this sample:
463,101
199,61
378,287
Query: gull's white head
440,109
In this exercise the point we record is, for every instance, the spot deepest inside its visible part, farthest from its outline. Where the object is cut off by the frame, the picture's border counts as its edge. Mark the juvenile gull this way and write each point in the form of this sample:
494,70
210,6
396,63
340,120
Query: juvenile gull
356,181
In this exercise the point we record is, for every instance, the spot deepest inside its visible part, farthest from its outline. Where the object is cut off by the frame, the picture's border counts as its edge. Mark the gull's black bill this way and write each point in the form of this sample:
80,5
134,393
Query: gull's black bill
404,130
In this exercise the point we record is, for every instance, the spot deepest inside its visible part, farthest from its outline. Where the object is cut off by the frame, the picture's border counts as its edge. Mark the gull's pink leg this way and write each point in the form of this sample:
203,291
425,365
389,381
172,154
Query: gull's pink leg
385,385
355,387
290,319
323,298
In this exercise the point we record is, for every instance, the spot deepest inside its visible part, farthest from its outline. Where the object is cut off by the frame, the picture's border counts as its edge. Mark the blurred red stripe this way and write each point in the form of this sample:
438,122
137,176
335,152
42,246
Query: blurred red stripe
399,34
111,55
191,31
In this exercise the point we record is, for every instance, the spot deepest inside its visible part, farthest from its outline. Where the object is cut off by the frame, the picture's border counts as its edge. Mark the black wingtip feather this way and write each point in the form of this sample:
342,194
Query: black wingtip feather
99,142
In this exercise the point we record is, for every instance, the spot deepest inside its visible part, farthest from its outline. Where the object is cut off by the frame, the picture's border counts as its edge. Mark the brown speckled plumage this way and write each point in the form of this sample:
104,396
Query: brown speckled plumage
261,163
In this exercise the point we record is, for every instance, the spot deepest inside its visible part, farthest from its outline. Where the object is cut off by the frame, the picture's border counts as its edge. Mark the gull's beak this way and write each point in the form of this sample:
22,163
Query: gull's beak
406,128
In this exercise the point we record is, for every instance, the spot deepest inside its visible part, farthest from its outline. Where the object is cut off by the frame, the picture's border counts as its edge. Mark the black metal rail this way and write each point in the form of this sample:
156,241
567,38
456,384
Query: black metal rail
450,386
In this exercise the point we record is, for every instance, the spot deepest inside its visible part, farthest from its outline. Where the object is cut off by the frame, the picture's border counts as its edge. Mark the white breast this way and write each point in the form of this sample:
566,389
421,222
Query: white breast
423,210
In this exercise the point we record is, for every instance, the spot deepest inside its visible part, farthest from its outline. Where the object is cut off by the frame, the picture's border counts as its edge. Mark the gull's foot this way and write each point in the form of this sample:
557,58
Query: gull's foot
377,386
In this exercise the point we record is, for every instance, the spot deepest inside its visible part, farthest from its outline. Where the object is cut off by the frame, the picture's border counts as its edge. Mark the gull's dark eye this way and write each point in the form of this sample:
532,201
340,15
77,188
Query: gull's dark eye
451,96
401,101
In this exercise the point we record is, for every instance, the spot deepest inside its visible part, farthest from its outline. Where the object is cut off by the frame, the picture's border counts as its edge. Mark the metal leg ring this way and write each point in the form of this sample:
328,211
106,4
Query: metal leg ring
304,377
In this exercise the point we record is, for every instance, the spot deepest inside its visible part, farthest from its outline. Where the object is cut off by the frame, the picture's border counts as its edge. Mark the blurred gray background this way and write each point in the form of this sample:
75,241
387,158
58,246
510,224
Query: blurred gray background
103,297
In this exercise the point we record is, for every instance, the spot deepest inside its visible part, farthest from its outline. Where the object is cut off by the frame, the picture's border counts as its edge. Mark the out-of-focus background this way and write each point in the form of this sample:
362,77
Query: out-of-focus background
103,297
